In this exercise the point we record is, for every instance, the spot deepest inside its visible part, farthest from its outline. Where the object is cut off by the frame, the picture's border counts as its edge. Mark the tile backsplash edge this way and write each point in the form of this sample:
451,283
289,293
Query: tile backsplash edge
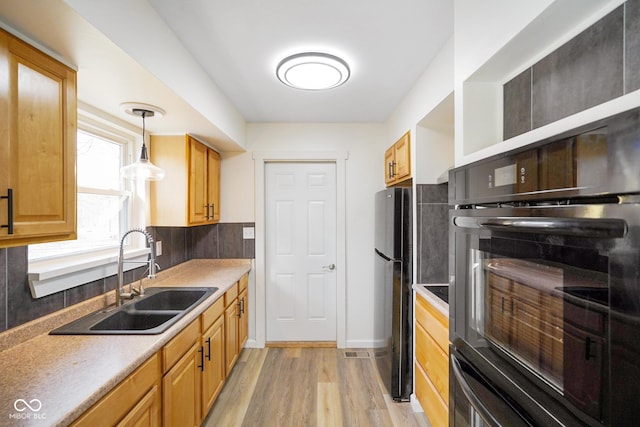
180,244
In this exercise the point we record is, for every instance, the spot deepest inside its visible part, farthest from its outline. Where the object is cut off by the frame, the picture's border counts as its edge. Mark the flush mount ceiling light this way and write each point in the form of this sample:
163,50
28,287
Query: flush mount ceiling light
313,71
142,169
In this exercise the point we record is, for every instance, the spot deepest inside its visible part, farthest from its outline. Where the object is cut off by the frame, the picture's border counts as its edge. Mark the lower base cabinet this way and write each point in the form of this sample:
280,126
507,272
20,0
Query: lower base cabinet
178,386
432,362
133,402
214,372
181,391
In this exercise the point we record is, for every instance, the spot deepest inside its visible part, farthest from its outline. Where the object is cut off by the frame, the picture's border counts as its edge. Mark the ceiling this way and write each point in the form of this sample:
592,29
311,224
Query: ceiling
388,45
211,63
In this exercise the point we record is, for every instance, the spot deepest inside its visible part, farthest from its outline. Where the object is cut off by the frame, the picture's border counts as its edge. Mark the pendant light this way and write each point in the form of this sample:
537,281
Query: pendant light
142,168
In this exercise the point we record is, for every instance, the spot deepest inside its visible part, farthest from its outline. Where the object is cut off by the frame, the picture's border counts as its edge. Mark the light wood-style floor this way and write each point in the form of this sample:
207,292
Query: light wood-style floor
307,387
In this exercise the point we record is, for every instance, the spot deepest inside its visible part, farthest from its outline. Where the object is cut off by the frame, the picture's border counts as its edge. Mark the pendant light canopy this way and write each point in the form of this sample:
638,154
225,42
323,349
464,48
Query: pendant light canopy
142,169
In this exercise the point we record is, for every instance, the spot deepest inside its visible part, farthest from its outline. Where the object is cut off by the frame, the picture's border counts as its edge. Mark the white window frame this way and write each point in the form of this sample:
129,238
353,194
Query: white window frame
50,275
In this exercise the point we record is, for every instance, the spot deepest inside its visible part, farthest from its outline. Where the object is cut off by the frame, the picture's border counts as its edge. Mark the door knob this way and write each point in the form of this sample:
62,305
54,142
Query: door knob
329,267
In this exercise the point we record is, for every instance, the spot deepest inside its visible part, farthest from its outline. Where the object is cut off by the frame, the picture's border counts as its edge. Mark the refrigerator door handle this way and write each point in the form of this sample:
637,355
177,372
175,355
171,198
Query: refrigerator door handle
386,258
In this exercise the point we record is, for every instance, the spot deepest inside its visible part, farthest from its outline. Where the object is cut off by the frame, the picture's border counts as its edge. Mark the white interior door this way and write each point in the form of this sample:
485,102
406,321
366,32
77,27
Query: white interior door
300,219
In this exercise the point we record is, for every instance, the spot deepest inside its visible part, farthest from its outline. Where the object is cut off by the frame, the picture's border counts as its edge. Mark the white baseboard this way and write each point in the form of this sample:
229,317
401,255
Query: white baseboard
415,405
365,343
251,343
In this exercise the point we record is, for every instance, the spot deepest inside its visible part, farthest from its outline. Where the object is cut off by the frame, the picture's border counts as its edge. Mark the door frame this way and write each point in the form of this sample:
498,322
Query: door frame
260,159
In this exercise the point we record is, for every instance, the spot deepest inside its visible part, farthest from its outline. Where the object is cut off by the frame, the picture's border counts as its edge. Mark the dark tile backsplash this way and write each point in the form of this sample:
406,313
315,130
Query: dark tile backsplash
517,102
179,244
433,238
632,45
592,68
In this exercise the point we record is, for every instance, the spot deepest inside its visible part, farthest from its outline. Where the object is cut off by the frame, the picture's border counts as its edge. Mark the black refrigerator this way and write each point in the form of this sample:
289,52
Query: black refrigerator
393,321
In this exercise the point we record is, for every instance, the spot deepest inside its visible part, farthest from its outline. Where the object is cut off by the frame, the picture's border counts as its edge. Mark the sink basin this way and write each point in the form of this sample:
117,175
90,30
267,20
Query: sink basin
172,299
132,321
150,314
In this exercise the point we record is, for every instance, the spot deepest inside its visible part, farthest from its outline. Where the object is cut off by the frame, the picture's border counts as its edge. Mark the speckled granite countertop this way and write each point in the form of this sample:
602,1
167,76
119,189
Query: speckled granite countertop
442,306
67,374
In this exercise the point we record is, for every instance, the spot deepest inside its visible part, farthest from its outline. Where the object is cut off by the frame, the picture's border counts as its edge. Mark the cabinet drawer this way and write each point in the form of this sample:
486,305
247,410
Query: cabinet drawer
231,295
115,406
179,345
434,407
212,313
434,361
434,322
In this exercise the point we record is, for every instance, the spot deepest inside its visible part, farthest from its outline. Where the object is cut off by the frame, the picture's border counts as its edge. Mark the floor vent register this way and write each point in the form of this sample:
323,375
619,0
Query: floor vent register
356,355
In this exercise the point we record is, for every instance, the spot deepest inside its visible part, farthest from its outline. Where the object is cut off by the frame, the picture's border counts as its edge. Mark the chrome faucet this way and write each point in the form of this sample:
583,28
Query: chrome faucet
120,294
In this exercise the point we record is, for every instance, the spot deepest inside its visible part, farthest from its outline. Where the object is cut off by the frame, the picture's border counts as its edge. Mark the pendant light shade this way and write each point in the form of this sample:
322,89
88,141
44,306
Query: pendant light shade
142,169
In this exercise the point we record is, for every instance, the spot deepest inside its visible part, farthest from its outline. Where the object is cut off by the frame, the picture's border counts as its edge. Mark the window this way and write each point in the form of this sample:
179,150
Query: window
103,203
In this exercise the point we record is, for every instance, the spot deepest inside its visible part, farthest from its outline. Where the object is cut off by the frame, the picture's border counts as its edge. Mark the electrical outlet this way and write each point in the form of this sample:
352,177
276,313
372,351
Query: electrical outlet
248,233
159,248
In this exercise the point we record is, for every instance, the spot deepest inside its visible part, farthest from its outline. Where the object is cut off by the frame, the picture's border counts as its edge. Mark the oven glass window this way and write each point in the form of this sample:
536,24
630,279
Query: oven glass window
543,304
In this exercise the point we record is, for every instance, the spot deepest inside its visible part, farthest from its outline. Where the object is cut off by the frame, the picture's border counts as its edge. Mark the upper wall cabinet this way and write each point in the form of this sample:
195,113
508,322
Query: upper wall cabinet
190,193
38,119
397,161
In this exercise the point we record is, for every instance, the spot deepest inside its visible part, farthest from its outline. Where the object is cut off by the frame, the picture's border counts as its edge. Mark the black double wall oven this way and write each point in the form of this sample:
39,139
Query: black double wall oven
545,320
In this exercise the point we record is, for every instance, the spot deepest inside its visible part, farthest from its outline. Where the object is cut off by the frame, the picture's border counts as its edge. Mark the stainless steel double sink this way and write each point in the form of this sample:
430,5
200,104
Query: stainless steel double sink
150,314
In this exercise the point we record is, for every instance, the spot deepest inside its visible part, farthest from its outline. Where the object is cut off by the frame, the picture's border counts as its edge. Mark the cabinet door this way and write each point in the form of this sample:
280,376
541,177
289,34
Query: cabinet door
231,335
38,119
213,375
243,324
181,398
146,413
402,157
197,182
129,400
389,165
213,185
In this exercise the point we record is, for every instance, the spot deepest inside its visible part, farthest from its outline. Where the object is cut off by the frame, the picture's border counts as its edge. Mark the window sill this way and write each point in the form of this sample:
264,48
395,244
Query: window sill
50,276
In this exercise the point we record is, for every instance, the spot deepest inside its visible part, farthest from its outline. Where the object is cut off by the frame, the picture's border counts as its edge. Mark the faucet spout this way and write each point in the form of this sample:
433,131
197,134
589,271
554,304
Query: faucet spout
120,294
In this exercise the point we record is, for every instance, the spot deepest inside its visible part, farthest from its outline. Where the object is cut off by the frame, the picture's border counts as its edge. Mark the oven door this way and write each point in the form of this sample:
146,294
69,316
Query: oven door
552,296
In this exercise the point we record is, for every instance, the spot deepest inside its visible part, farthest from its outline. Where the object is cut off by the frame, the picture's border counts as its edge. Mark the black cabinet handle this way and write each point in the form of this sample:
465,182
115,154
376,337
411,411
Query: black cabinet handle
242,306
201,365
9,224
208,341
213,210
587,349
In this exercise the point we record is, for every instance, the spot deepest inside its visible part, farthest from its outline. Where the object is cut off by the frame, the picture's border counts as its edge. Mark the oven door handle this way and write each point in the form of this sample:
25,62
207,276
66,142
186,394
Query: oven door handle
471,396
581,227
495,416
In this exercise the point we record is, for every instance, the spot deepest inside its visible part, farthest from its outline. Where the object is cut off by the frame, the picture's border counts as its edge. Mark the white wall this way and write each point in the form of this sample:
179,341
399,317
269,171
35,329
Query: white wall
433,86
365,144
496,39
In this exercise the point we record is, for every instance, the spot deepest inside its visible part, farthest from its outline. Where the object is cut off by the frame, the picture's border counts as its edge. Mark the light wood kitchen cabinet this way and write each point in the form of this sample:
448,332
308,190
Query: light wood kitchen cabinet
190,192
38,123
182,359
432,361
181,390
397,161
134,402
243,304
231,317
214,372
236,322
